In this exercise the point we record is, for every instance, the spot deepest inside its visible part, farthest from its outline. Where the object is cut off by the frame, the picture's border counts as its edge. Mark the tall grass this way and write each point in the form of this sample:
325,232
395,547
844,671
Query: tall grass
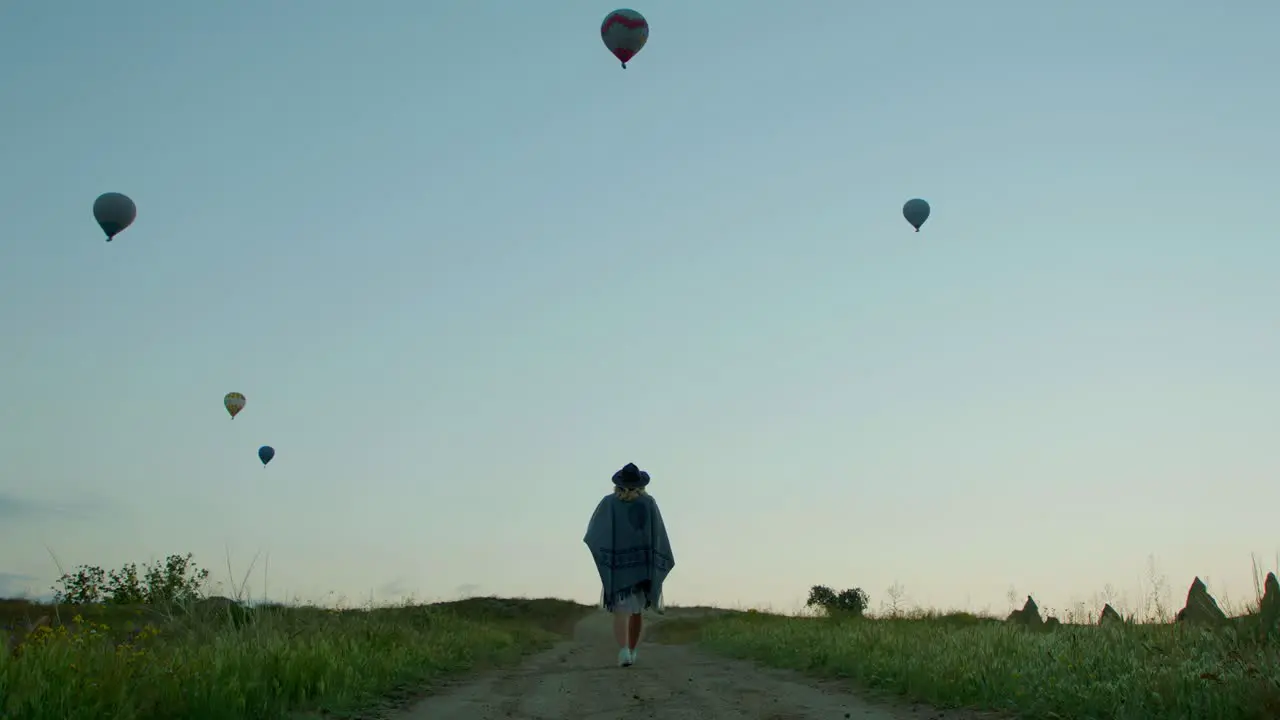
1152,670
215,661
1128,672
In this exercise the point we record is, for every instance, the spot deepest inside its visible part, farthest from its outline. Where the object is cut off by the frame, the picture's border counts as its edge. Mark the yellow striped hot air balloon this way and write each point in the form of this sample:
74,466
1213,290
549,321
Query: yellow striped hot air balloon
234,402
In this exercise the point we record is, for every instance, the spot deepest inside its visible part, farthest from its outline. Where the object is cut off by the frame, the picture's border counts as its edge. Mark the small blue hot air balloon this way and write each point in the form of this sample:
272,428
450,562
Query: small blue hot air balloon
114,212
916,211
265,453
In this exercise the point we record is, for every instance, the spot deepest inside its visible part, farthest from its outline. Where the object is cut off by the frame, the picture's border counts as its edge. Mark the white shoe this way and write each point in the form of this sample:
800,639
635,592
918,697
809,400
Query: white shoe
634,653
624,658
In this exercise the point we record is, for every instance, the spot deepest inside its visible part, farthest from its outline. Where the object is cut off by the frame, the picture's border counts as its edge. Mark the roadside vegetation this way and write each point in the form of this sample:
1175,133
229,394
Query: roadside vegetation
1033,669
148,644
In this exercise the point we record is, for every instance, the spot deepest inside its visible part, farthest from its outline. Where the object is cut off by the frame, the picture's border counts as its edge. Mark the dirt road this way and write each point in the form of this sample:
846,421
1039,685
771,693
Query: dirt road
580,680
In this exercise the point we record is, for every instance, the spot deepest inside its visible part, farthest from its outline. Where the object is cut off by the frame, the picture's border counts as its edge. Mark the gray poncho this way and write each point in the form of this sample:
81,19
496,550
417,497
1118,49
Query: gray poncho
629,543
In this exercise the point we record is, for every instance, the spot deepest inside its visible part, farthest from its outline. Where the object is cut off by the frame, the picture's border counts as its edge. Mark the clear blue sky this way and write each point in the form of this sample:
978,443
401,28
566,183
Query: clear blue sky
464,267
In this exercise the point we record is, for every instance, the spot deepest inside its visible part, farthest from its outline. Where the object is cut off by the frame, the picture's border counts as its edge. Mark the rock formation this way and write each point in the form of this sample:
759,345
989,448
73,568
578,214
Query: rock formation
1269,608
1109,616
1201,608
1028,616
215,603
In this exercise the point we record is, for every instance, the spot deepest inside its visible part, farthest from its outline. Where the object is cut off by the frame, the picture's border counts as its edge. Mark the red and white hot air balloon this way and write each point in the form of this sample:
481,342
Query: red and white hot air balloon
624,32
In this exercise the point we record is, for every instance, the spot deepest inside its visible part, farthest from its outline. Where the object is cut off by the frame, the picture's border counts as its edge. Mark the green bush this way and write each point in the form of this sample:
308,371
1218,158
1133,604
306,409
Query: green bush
850,602
175,581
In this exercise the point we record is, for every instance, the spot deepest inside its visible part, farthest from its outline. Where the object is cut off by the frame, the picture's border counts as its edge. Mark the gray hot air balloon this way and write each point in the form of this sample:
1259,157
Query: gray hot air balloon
114,212
916,211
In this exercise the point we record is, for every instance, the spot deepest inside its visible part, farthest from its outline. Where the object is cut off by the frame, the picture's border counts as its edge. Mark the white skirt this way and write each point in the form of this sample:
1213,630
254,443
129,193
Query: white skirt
632,601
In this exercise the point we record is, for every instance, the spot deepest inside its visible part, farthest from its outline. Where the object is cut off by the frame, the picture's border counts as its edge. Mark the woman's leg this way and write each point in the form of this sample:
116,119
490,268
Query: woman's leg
634,625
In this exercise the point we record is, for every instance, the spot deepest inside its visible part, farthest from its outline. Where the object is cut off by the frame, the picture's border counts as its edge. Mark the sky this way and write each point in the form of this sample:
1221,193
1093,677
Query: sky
464,267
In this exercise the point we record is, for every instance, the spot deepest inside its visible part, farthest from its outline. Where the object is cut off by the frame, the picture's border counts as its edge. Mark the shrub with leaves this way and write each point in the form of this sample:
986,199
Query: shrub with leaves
852,601
176,580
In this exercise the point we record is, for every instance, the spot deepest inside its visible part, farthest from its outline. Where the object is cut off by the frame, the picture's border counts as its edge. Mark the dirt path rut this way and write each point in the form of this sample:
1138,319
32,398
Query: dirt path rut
580,680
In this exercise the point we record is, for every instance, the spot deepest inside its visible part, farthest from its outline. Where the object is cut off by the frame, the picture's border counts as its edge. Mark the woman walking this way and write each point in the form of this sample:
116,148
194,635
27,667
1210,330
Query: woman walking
633,555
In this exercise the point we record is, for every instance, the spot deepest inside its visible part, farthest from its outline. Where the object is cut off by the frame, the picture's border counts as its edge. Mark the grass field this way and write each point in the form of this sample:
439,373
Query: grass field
222,661
217,659
1122,672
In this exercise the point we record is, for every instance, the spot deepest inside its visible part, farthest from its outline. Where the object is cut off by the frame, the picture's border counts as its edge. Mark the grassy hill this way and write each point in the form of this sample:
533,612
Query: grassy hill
1122,671
212,657
218,659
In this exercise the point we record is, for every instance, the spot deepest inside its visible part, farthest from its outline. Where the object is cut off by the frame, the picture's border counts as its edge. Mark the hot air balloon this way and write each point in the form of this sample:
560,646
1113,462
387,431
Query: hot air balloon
624,32
916,211
114,212
234,402
265,453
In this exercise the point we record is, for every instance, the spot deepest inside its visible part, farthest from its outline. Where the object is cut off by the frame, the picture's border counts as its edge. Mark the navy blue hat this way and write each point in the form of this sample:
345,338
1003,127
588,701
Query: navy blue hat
630,476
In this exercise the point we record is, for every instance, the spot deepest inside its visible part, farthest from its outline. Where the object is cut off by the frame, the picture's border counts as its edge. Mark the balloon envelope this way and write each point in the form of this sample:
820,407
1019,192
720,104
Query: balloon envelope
916,211
234,402
265,453
624,32
114,212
